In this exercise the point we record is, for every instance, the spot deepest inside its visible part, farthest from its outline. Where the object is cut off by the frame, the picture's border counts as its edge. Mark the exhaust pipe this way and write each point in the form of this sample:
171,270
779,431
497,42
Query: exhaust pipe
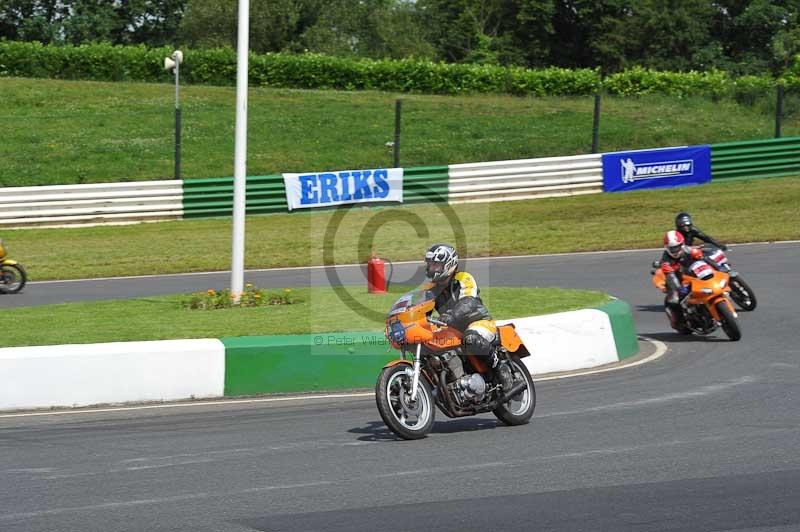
514,391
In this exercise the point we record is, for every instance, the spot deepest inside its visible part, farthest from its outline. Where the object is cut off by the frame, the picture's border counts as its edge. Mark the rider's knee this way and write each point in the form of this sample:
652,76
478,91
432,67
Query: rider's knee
476,344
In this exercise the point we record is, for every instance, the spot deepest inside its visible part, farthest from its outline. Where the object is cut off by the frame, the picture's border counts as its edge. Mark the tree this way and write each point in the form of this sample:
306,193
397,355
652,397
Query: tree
400,32
153,22
477,31
368,28
90,21
661,34
752,32
345,28
534,33
212,23
582,36
30,20
785,45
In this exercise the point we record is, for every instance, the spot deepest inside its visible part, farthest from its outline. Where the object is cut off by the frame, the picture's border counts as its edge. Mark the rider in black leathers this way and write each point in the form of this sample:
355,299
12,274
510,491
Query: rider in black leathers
684,225
459,305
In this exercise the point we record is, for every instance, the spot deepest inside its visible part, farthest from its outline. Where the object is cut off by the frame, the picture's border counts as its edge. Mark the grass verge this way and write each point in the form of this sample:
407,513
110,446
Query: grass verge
317,310
740,211
63,132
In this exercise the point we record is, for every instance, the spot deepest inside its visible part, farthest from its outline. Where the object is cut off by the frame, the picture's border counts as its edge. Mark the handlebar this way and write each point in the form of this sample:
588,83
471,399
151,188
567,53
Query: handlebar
437,322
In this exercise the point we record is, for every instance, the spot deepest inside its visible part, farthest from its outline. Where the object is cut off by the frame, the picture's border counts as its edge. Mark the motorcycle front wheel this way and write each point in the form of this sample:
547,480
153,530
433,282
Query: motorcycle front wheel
411,420
742,294
728,321
12,278
518,410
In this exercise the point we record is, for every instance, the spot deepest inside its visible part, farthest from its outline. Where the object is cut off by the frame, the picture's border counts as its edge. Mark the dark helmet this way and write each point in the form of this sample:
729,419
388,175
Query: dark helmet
683,222
441,262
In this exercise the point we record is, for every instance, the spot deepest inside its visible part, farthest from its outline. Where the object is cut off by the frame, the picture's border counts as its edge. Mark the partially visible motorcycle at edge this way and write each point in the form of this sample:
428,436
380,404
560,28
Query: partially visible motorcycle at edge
12,274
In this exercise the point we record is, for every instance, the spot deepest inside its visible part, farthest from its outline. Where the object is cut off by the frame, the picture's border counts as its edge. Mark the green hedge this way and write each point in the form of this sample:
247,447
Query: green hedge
104,62
96,62
638,80
714,83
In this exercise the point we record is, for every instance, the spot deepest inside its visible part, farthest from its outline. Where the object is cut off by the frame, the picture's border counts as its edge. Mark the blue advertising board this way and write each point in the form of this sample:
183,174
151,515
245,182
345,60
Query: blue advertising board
662,168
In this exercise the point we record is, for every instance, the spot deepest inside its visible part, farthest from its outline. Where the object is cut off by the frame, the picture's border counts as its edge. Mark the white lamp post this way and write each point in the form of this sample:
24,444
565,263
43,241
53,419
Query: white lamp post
240,152
174,63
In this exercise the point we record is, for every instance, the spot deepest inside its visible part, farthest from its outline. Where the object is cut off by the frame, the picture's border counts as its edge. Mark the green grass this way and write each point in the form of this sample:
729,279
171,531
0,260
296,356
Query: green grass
317,310
740,211
62,132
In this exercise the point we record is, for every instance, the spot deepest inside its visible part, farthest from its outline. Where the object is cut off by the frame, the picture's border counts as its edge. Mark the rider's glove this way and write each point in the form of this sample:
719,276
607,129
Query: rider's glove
447,318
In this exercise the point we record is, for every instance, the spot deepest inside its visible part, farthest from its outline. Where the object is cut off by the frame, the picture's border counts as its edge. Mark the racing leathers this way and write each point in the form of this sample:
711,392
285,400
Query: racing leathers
693,232
673,270
459,305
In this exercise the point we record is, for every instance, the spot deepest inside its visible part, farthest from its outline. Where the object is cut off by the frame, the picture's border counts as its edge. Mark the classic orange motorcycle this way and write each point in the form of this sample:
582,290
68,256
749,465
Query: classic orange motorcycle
434,370
705,300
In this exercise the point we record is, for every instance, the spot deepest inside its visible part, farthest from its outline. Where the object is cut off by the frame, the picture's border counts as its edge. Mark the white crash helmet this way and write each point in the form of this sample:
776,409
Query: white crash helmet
674,244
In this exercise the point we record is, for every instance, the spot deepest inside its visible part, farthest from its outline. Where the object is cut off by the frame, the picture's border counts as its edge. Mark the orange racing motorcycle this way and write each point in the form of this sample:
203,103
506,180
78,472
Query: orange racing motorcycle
704,299
12,274
434,370
741,293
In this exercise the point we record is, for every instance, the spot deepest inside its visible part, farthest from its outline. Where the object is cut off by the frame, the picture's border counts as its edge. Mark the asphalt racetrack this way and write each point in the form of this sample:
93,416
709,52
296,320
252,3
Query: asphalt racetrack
705,438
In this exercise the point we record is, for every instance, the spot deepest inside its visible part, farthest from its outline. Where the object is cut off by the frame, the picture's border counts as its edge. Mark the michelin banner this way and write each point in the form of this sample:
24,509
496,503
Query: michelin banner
327,189
662,168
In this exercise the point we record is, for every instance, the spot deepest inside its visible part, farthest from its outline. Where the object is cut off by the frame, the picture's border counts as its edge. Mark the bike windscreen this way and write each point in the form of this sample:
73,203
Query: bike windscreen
701,269
411,299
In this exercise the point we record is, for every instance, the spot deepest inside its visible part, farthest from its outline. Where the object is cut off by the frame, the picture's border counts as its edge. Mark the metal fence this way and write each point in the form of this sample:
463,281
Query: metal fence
525,179
102,203
458,183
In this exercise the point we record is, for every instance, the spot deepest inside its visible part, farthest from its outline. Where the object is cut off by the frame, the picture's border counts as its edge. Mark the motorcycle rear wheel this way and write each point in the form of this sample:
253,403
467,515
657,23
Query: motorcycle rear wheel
411,420
519,410
742,294
12,278
729,323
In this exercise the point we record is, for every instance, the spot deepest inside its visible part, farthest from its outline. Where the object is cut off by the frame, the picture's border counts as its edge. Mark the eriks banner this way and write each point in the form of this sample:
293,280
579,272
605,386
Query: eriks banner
326,189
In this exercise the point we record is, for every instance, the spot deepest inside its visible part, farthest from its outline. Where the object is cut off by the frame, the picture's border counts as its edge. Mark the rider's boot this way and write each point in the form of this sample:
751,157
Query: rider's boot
673,318
476,344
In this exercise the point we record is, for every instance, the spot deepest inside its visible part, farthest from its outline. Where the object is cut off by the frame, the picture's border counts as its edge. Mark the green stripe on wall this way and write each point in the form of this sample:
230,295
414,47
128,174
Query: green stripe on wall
755,158
426,184
623,328
208,197
330,361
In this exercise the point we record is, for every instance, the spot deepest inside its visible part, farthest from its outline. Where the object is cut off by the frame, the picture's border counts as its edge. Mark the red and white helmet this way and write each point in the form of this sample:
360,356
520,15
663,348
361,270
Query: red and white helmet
674,244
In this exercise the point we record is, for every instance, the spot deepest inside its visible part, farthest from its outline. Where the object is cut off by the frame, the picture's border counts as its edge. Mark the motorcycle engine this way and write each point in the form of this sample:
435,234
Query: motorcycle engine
455,368
469,389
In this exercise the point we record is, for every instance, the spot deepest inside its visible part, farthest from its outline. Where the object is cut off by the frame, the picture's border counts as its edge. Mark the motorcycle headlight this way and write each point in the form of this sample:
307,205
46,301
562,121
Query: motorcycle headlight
397,333
722,283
